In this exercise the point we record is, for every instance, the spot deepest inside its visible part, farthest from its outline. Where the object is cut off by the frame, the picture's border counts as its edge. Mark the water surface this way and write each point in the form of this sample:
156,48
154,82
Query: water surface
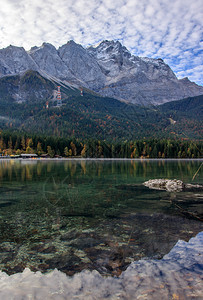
89,214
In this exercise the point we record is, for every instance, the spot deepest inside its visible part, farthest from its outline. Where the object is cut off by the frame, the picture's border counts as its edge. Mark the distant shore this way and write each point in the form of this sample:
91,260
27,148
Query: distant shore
100,159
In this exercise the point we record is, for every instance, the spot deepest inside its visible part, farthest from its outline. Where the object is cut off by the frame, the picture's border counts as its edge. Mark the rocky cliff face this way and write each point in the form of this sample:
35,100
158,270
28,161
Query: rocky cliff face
108,69
14,60
139,79
85,68
49,61
118,63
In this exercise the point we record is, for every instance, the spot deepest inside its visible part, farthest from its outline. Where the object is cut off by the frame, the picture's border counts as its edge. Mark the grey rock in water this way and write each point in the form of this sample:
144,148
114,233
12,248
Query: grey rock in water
108,69
165,184
171,185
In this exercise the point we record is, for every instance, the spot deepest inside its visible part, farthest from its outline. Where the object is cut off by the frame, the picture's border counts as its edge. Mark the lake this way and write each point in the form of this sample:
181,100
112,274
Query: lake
93,214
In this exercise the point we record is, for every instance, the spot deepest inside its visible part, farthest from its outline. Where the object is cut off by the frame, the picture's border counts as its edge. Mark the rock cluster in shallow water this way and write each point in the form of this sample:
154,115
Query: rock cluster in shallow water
177,276
170,185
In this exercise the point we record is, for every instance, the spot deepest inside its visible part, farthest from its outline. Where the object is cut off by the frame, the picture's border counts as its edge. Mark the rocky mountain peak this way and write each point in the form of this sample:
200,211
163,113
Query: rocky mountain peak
14,60
111,56
156,68
13,48
45,47
48,45
186,79
48,60
82,64
73,44
107,45
69,49
109,50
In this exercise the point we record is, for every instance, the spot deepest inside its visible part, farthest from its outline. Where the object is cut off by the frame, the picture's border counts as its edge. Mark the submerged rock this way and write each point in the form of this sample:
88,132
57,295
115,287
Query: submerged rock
171,185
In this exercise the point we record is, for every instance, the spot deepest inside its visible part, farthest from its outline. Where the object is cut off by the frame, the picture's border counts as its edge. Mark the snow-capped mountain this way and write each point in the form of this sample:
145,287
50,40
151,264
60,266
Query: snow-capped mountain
108,69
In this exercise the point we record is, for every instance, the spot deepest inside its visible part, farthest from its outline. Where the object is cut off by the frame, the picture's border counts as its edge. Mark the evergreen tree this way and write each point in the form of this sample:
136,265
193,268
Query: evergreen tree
50,151
39,148
84,151
10,144
23,144
66,151
2,145
29,150
73,148
18,152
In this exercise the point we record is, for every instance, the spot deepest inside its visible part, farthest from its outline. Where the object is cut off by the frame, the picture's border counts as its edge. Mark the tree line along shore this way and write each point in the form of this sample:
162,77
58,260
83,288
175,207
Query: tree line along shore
17,144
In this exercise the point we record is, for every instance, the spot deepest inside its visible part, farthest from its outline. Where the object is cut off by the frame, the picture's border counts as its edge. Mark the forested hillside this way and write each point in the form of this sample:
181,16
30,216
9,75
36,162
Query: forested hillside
28,105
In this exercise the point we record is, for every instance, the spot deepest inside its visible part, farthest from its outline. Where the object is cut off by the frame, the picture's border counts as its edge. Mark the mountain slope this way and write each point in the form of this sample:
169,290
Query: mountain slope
186,116
29,86
191,107
108,69
84,116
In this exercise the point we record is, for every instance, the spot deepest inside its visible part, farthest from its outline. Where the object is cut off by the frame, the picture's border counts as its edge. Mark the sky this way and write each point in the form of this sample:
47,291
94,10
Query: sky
167,29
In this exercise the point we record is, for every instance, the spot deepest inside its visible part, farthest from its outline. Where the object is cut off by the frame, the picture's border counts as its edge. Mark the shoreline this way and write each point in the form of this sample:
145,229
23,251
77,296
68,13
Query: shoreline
100,159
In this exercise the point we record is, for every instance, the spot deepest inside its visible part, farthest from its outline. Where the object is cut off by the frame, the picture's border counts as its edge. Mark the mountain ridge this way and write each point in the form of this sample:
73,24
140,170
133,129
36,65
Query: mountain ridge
108,69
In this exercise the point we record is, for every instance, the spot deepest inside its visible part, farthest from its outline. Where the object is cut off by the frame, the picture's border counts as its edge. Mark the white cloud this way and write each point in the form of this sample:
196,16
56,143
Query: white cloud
193,74
154,28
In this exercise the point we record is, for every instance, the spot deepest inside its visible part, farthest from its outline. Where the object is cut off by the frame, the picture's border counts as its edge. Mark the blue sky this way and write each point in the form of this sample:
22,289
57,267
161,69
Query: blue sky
171,30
